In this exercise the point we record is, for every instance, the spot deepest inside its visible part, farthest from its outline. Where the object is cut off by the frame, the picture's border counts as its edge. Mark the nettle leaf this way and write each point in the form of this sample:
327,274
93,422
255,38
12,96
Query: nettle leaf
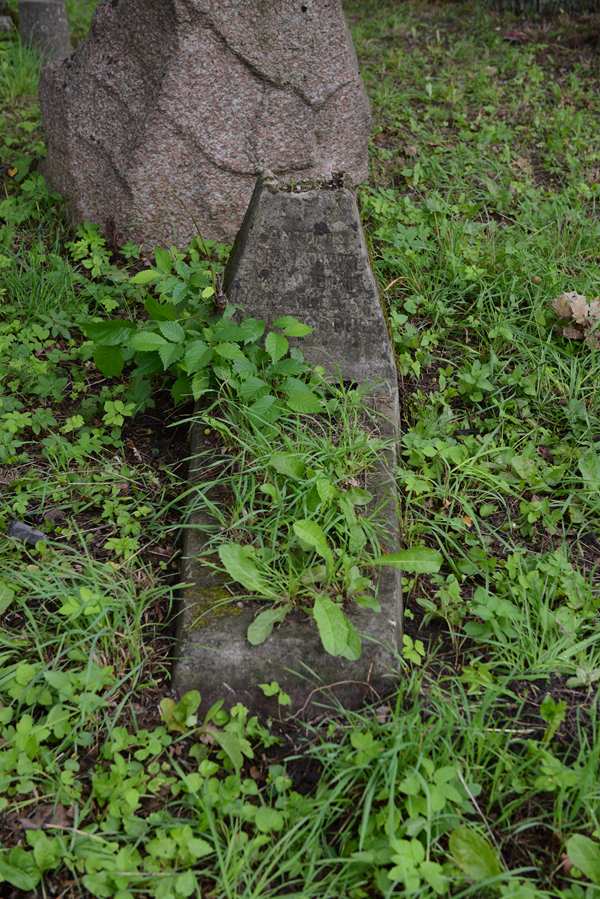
169,354
251,330
244,367
109,360
417,560
474,854
289,366
313,535
148,276
262,626
291,327
239,562
172,331
229,351
288,464
147,341
266,409
109,333
197,355
276,346
226,329
585,855
163,312
200,384
300,398
338,635
164,261
589,466
251,387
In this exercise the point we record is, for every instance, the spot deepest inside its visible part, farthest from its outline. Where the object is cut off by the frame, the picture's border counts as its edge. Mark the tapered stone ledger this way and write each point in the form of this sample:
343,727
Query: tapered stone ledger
301,253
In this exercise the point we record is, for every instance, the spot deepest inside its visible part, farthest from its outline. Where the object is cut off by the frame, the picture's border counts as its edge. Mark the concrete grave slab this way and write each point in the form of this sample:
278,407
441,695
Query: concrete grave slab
302,253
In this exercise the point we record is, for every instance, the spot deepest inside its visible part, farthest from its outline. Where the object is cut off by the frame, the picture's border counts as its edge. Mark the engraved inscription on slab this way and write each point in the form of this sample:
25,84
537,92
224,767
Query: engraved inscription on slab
304,254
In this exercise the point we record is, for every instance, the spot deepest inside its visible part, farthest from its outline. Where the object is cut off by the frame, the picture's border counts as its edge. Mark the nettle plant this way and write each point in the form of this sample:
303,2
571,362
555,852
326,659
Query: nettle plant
289,452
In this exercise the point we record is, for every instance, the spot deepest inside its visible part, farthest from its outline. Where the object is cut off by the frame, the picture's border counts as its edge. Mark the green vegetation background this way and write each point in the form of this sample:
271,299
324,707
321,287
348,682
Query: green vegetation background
479,777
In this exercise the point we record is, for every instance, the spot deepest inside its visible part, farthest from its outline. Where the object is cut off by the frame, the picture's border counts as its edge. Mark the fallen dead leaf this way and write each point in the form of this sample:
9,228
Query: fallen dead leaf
566,863
582,315
516,37
383,713
48,816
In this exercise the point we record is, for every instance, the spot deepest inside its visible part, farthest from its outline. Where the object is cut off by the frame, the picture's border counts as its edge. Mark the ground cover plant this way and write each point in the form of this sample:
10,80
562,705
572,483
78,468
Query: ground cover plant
479,777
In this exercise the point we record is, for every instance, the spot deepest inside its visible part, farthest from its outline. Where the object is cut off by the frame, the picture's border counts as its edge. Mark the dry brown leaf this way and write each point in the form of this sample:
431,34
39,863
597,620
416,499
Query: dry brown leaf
593,340
572,333
571,305
583,315
566,863
580,309
561,306
383,713
57,817
594,311
522,163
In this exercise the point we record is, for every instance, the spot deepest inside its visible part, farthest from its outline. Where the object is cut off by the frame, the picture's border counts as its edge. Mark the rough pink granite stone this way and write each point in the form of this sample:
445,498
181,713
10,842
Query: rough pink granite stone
159,123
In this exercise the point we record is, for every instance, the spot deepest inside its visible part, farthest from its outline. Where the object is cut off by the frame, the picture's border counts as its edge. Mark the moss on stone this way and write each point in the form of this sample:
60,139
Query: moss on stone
204,604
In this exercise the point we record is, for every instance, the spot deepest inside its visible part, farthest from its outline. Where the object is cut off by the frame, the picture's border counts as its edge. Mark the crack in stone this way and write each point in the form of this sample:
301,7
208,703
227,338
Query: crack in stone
258,72
188,138
103,151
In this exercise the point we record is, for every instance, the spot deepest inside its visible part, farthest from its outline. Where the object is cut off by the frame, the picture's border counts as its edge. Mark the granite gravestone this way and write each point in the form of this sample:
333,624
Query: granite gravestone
159,123
300,253
43,24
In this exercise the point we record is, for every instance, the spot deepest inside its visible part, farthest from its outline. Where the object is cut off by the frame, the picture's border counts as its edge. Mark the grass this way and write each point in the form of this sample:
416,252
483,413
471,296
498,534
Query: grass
479,777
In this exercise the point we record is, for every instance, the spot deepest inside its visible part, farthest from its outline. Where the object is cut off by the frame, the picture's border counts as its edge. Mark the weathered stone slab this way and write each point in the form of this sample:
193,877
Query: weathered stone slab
300,254
6,24
43,24
159,123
